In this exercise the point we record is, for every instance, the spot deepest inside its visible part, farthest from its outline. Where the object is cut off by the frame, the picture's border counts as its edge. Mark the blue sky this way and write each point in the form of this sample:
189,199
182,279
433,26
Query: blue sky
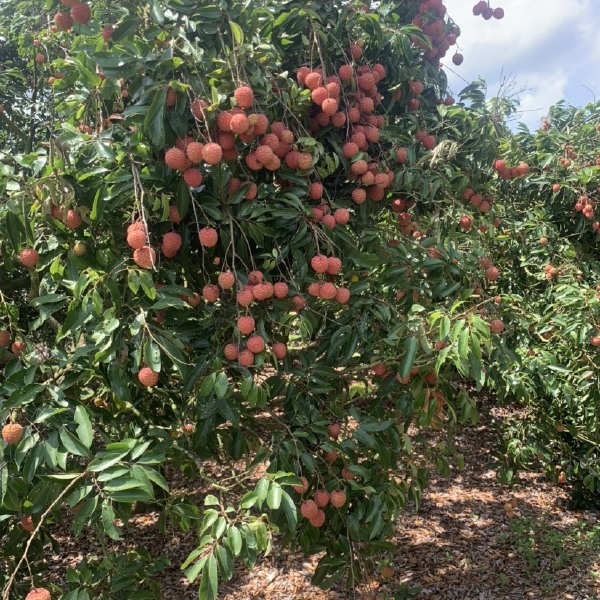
551,48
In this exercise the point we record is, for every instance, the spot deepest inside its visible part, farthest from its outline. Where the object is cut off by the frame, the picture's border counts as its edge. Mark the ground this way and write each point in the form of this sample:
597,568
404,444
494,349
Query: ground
460,544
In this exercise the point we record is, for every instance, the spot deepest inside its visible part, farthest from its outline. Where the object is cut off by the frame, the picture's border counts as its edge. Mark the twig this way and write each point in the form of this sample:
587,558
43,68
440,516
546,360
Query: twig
6,590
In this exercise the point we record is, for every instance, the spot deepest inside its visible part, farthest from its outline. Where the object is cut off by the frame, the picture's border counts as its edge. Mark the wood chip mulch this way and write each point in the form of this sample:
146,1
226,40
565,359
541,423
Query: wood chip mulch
460,545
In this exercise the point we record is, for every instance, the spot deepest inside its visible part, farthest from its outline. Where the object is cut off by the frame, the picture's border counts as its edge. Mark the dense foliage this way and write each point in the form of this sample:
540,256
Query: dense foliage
261,234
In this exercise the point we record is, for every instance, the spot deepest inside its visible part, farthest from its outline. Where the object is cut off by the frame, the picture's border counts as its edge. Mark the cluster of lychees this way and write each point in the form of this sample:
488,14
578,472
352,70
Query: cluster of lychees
483,202
314,509
585,205
484,9
505,172
440,35
80,14
326,289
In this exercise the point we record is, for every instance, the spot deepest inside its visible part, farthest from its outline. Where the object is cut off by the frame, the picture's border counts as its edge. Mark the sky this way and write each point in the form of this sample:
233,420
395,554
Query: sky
549,48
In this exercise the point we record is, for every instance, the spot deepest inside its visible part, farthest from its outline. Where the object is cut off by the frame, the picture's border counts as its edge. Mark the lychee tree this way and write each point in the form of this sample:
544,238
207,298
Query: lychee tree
239,234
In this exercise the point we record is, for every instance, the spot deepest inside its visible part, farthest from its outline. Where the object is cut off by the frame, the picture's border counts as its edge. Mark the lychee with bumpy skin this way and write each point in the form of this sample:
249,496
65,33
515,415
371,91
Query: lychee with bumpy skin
231,352
211,292
321,498
194,152
208,237
337,498
255,344
245,298
39,594
171,244
81,13
226,280
29,257
303,487
315,191
492,273
246,358
341,216
309,509
63,21
73,220
193,177
246,325
496,326
457,59
174,214
328,291
334,430
12,433
4,339
176,159
319,520
319,263
145,257
147,377
280,289
342,295
279,350
18,348
244,96
334,265
359,195
137,235
212,153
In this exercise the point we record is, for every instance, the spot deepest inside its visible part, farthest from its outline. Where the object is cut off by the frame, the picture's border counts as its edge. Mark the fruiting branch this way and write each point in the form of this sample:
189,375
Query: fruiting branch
9,583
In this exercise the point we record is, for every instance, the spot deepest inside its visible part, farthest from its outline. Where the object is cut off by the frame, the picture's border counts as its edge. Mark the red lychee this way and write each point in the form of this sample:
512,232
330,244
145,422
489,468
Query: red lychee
81,13
148,377
171,244
12,433
208,237
145,257
29,257
176,159
255,344
279,350
244,96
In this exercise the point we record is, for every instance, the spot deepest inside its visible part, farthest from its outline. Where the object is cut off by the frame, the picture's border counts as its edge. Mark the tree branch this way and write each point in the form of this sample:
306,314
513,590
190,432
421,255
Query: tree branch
6,590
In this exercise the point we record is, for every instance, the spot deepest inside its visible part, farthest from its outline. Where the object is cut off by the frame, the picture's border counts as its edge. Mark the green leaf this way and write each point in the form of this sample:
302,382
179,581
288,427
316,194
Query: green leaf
410,351
72,444
84,429
154,124
274,496
209,583
221,385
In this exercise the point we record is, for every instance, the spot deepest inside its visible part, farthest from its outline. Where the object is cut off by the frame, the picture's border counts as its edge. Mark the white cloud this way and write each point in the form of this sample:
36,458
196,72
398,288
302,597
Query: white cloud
548,46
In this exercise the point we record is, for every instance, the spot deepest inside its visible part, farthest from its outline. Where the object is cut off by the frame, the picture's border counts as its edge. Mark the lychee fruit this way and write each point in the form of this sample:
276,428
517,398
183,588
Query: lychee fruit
334,265
321,498
328,291
226,280
255,344
244,96
337,498
280,289
12,433
231,352
212,153
315,191
246,358
319,263
279,350
29,257
81,13
309,509
246,325
147,377
145,257
319,520
174,214
245,298
171,244
39,594
18,348
4,339
334,430
63,20
208,237
176,159
303,487
193,177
